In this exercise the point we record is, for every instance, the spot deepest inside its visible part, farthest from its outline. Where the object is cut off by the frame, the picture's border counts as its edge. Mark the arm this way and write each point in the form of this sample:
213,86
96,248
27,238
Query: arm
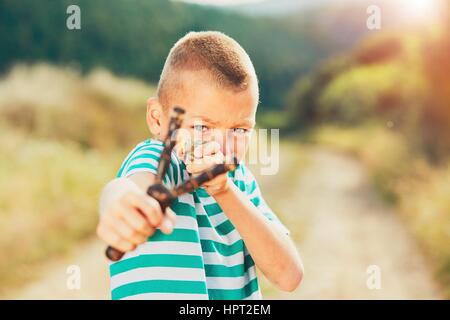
119,186
272,250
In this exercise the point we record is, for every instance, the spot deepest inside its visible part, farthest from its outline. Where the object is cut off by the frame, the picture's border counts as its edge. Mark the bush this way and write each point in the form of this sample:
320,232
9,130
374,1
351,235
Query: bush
390,78
98,111
49,193
62,137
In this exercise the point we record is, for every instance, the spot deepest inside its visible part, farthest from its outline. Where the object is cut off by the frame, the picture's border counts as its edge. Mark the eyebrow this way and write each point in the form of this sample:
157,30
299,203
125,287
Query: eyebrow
206,119
245,123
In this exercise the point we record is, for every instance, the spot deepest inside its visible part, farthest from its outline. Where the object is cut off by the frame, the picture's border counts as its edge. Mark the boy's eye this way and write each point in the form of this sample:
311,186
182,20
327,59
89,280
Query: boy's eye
239,130
200,128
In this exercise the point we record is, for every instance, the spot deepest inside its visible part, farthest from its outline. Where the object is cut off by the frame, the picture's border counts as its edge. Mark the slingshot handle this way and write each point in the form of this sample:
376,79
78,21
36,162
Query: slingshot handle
197,181
175,121
158,191
113,254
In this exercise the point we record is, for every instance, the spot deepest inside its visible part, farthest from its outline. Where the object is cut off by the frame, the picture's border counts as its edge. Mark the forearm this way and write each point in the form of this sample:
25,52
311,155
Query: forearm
113,190
119,186
272,250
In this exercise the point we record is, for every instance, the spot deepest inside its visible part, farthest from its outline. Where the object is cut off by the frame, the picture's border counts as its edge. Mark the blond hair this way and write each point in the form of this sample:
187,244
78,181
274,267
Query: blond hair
224,60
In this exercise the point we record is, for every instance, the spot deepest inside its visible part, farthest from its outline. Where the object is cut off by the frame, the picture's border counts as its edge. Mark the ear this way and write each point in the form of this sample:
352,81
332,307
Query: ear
154,116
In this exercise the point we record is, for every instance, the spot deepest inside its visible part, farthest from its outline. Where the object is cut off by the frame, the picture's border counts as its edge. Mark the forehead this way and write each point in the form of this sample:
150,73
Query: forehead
201,98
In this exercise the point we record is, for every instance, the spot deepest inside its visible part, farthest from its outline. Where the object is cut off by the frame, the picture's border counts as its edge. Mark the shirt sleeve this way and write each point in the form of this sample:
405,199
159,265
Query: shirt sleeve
145,158
253,191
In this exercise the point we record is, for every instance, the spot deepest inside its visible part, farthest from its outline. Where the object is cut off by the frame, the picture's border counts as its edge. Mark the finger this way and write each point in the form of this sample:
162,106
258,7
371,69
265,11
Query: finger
121,227
194,168
230,159
206,149
166,226
137,221
198,167
148,206
218,158
114,240
214,159
170,214
206,163
168,223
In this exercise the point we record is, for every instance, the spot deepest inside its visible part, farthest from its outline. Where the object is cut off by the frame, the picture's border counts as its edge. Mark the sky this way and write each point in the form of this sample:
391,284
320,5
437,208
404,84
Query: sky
411,10
221,2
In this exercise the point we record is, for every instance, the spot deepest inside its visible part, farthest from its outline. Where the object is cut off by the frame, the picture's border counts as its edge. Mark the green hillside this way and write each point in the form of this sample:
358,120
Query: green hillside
132,38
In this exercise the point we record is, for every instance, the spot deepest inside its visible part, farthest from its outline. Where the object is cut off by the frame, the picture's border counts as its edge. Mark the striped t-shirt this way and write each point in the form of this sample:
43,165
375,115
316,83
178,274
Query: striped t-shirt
204,257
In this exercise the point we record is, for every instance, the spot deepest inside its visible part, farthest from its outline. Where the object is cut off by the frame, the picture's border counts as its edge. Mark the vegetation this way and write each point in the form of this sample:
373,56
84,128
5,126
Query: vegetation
104,39
387,78
387,102
41,101
62,136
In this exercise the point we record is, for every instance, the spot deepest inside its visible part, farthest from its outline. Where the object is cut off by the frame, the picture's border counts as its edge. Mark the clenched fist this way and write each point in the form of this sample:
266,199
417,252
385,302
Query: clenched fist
131,216
205,157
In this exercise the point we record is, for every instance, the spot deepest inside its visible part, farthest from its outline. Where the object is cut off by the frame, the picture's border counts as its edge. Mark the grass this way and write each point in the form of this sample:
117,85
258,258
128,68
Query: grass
98,110
62,137
48,200
419,190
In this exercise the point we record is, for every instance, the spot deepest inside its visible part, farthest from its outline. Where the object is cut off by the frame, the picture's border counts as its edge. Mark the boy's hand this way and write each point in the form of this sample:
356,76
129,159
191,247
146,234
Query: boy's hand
131,218
206,156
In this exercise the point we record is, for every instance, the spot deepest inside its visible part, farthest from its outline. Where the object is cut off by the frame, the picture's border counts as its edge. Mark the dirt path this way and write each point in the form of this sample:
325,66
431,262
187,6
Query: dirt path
348,229
53,284
339,223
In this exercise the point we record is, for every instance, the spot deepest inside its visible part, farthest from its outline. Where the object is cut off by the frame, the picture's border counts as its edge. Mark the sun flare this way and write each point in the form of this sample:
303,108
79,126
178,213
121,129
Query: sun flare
420,10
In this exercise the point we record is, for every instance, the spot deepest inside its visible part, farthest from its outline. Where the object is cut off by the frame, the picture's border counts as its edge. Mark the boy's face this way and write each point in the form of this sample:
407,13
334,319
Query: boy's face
213,115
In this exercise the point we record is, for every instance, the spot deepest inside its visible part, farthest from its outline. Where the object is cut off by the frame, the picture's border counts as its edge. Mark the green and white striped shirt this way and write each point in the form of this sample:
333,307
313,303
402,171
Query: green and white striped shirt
205,256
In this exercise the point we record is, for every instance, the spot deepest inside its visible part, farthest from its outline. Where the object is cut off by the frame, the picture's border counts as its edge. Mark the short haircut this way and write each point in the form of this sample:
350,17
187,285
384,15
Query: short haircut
223,59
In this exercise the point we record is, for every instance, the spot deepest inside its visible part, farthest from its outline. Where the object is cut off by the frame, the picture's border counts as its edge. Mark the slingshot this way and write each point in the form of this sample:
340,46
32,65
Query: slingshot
161,193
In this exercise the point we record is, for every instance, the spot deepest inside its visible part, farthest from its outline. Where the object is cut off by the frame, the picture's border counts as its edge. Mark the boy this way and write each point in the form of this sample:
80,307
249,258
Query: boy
207,245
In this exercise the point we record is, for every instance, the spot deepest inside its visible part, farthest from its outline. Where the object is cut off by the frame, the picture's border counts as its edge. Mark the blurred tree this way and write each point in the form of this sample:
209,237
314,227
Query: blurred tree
401,78
436,55
133,38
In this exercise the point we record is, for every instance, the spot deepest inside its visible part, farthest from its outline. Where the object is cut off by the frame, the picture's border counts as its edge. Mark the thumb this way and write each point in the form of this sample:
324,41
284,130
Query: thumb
168,223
